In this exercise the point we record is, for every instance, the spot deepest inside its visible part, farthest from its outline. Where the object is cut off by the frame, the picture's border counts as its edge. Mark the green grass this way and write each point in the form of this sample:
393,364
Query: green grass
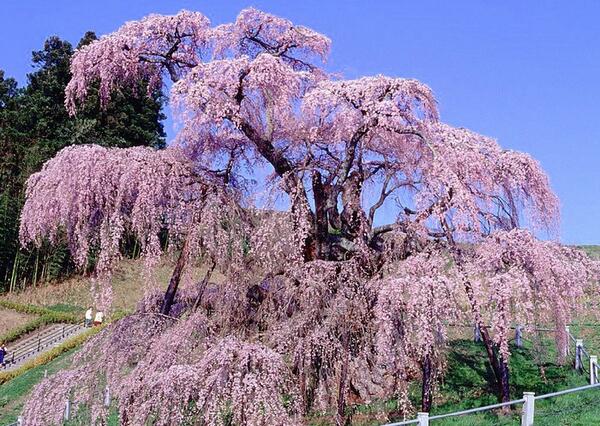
82,417
592,250
576,409
14,393
67,308
466,385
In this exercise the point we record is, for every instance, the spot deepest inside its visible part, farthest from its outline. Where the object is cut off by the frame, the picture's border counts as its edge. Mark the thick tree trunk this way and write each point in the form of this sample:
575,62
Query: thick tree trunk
427,387
341,419
303,387
174,281
504,380
321,225
499,366
491,354
333,216
203,285
352,214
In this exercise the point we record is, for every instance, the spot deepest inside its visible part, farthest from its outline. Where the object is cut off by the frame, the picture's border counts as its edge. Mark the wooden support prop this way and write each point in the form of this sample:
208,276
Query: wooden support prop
477,334
107,397
67,415
578,354
519,336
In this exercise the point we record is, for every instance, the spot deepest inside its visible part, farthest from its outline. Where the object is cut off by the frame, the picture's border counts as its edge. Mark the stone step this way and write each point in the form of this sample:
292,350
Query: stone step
42,337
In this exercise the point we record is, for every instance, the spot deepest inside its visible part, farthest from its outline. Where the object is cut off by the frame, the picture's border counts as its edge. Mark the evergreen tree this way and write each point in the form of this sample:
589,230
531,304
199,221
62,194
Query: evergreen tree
34,126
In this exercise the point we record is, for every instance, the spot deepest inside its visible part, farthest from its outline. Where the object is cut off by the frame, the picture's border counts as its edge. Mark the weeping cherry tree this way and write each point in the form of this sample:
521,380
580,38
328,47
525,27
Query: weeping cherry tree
324,301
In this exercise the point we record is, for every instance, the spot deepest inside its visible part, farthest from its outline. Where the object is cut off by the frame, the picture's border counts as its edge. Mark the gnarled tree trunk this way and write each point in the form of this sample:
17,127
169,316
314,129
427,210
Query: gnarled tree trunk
427,386
175,279
499,366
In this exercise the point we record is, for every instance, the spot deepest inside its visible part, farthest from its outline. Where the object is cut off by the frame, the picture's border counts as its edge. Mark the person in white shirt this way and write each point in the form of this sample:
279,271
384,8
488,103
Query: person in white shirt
99,318
88,317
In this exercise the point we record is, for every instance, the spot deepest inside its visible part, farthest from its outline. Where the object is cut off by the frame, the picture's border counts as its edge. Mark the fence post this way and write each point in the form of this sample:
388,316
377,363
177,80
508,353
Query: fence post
593,366
423,419
519,336
68,409
567,348
477,334
578,347
19,420
107,397
528,409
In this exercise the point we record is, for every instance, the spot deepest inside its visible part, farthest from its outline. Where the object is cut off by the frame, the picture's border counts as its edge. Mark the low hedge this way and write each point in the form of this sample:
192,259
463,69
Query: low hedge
37,310
48,356
46,316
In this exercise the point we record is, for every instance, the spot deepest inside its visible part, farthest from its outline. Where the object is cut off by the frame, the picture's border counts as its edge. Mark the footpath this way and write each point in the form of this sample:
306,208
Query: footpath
38,342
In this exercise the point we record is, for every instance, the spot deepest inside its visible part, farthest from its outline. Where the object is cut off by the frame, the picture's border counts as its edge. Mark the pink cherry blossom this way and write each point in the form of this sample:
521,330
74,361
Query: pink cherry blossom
319,304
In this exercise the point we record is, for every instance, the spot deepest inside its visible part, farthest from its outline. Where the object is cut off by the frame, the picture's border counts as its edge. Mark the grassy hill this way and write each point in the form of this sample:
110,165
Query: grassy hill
464,386
128,283
14,393
592,250
73,294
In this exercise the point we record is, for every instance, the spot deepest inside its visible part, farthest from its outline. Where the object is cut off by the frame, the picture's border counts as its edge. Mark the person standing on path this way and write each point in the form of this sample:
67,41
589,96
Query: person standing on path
3,353
99,318
88,317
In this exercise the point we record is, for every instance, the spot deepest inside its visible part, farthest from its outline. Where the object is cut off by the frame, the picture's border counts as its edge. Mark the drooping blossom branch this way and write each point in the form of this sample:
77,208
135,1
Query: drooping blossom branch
98,196
321,304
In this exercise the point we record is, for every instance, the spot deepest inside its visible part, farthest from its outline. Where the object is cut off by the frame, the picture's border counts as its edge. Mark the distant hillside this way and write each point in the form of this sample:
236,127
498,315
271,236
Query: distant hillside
592,250
129,284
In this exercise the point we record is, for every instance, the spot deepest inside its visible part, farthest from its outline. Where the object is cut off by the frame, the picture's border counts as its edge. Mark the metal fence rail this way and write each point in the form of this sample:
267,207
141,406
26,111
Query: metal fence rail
527,416
43,341
567,391
529,398
424,418
478,409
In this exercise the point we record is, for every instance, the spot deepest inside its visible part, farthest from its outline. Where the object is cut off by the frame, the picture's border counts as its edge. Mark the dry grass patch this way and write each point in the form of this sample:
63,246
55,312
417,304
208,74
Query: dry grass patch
10,319
128,283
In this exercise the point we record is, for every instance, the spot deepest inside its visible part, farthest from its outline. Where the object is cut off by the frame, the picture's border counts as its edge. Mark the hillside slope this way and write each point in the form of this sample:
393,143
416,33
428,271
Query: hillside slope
128,284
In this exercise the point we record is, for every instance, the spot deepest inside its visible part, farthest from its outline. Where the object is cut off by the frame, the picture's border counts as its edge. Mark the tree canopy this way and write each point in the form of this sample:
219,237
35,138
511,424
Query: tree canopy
317,292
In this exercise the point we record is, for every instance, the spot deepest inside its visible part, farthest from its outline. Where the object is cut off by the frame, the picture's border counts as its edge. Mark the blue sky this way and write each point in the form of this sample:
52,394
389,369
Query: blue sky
519,72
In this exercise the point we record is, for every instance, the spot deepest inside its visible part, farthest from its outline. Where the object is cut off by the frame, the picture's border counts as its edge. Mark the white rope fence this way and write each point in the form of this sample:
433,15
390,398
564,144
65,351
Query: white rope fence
529,398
